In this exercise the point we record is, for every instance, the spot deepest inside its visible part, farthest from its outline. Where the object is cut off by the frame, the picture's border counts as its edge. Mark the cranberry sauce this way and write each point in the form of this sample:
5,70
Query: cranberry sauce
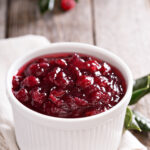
68,85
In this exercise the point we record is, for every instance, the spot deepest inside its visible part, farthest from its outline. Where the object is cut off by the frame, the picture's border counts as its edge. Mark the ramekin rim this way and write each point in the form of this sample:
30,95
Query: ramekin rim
68,120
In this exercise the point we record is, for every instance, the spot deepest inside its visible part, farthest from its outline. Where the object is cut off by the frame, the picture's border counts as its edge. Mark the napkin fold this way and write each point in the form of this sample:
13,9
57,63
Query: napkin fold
11,49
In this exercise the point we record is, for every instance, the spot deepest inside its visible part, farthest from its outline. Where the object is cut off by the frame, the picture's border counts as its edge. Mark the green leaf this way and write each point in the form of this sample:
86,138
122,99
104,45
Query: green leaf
143,122
130,122
77,0
46,5
140,89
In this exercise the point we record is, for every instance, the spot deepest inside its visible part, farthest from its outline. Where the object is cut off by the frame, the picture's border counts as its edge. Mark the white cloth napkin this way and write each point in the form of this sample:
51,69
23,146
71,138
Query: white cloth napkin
11,49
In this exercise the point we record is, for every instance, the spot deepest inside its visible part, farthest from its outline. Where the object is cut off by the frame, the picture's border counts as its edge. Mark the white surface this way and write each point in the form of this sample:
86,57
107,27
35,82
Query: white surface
129,142
10,50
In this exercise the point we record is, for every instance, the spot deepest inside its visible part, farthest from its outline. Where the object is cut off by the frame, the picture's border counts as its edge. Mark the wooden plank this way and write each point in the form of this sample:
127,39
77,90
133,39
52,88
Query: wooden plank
75,25
3,7
3,17
124,28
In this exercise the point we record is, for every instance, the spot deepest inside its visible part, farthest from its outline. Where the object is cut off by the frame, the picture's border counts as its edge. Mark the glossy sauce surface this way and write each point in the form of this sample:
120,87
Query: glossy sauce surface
68,85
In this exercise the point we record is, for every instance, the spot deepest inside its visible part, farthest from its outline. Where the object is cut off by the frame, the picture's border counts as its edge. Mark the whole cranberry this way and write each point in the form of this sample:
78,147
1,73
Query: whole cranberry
16,82
61,80
77,61
61,62
22,95
38,69
57,93
105,69
85,81
67,4
93,65
38,96
76,72
30,81
53,74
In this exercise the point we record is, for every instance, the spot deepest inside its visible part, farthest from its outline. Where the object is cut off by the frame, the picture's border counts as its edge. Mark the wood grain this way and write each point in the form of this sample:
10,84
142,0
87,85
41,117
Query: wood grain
123,27
75,25
3,17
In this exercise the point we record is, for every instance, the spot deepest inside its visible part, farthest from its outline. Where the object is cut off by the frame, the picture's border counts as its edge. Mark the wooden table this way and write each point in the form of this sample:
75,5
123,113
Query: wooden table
122,26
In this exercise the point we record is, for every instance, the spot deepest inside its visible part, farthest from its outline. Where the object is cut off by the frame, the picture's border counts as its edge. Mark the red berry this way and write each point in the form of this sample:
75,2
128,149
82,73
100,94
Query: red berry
30,81
93,65
61,80
76,72
102,81
72,104
95,96
53,74
38,96
85,81
38,70
105,69
22,95
67,4
61,62
77,61
55,96
58,93
58,77
16,82
80,101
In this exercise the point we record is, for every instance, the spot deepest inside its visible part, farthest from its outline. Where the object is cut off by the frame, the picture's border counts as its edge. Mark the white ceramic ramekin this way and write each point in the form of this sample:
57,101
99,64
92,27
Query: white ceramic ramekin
35,131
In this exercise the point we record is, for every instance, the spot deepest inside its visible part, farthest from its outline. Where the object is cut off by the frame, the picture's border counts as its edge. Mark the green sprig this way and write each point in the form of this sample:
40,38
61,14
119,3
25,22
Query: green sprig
130,122
134,120
143,122
46,5
140,89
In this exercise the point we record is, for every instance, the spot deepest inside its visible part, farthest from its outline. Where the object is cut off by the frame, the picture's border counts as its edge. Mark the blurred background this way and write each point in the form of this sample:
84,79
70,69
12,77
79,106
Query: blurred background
121,26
